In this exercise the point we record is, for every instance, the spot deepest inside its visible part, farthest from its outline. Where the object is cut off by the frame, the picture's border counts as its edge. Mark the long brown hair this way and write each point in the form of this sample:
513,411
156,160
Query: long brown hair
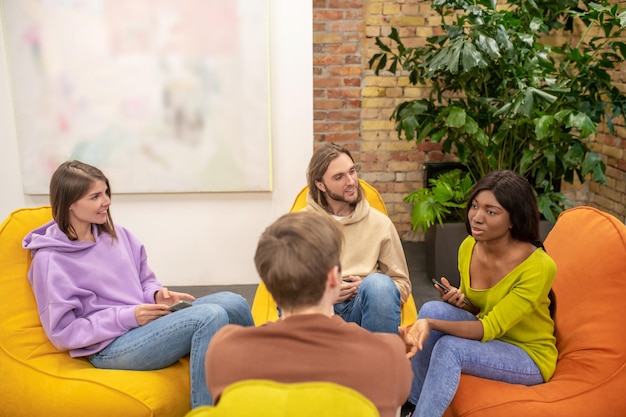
70,182
319,165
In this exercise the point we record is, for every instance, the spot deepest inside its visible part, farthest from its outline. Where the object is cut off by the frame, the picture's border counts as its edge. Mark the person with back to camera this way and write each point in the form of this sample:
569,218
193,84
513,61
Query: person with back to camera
498,325
98,298
375,274
297,258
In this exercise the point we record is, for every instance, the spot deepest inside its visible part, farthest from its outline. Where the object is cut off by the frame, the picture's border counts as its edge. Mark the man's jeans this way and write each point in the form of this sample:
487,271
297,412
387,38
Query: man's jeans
165,340
376,306
437,368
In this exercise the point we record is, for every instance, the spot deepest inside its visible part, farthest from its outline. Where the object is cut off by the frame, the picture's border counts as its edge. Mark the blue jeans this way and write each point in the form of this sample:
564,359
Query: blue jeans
437,368
163,341
376,306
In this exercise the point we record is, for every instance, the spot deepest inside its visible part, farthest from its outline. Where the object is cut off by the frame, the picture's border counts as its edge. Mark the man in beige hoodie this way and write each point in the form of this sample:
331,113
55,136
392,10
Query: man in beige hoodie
374,270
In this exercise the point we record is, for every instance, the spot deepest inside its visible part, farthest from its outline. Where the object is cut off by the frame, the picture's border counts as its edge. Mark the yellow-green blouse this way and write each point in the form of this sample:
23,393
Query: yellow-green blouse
516,309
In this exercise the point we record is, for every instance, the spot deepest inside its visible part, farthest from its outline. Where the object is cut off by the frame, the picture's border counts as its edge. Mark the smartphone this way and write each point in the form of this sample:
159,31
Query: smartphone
440,285
446,290
179,305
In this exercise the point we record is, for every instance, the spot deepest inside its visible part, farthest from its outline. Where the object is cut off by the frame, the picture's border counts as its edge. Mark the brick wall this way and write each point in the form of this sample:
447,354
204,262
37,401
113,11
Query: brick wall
337,71
352,106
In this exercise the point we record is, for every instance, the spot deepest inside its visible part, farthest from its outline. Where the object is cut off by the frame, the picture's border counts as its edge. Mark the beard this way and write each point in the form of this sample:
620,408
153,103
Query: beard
342,199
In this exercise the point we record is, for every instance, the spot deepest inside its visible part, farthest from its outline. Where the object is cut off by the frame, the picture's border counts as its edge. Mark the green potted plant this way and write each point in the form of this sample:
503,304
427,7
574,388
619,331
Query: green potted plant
443,199
503,95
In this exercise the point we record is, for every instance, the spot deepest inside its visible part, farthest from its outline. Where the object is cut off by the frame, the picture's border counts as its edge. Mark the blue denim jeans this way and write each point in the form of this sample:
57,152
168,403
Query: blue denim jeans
376,306
165,340
437,368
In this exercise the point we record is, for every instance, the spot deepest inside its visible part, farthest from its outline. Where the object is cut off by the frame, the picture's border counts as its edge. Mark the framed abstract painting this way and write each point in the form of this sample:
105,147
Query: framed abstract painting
163,96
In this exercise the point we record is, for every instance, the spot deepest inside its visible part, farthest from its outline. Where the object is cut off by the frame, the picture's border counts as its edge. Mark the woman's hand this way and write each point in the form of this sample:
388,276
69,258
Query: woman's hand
415,336
456,297
167,297
453,296
145,313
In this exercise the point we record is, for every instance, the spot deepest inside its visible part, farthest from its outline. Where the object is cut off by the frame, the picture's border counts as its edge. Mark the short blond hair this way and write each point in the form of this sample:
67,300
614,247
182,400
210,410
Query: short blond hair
294,256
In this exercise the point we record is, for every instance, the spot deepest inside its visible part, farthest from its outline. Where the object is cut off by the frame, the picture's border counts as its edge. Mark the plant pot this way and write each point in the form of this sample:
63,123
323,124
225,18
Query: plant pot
442,245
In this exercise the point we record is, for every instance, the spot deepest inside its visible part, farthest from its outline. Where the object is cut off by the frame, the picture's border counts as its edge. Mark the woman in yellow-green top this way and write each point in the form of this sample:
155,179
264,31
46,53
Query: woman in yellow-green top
498,325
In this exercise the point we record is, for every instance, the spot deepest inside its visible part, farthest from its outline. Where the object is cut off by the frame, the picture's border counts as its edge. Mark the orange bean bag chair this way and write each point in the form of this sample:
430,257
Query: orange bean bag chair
38,380
589,248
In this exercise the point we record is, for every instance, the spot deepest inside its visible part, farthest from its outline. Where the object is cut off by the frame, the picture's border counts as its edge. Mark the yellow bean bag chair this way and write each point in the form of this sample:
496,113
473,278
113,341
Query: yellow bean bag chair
263,398
589,248
38,380
264,307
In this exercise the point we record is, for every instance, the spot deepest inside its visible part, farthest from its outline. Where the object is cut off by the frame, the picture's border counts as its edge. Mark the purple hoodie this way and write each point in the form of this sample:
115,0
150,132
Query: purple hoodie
87,292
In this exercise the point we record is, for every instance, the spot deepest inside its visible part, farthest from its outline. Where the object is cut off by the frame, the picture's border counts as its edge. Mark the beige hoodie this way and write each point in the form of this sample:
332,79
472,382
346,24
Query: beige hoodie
371,245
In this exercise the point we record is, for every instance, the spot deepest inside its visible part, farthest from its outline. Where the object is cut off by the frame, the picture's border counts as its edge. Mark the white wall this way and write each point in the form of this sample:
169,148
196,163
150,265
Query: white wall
207,239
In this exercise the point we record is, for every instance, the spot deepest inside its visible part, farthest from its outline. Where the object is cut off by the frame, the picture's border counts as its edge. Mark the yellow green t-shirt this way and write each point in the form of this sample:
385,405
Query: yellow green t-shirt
516,309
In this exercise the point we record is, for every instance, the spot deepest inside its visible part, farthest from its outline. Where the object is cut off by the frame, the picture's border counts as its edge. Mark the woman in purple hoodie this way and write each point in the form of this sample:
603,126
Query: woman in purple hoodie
98,298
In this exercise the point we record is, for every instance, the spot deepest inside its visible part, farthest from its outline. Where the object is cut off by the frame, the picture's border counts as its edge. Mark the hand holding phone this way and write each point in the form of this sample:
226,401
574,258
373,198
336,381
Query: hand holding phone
440,286
179,305
447,290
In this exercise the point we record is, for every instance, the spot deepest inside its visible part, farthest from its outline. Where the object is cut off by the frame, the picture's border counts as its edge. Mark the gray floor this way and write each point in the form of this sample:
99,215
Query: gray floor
415,256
